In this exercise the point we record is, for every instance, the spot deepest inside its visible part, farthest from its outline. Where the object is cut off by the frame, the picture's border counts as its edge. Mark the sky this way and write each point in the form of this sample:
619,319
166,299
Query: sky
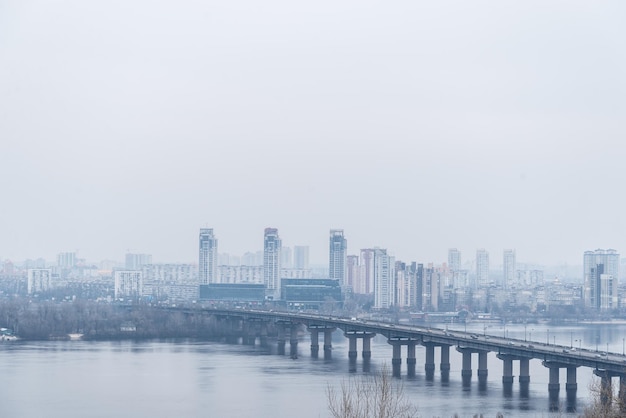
415,126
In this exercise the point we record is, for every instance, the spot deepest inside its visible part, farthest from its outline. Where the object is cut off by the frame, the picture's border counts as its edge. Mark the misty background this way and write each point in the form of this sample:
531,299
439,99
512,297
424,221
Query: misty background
413,125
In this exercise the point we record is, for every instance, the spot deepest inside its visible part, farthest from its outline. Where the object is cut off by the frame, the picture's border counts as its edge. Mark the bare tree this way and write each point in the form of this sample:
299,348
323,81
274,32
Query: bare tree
606,402
374,396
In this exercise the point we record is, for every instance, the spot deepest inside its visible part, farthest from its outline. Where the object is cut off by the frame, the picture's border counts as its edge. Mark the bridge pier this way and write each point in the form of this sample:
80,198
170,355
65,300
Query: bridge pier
396,360
622,392
606,387
328,342
367,345
429,365
570,389
263,335
352,354
280,339
466,369
315,342
410,358
524,376
293,341
444,367
482,368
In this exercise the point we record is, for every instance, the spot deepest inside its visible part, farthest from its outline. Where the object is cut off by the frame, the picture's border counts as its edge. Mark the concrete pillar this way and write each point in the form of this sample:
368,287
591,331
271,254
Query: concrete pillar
466,370
410,358
429,365
507,370
351,346
263,335
328,346
396,360
553,384
571,386
606,389
622,392
293,341
315,342
280,339
482,367
524,370
445,363
367,346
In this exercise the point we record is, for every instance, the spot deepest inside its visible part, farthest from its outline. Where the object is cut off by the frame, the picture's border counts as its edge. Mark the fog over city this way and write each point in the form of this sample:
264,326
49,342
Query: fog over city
414,126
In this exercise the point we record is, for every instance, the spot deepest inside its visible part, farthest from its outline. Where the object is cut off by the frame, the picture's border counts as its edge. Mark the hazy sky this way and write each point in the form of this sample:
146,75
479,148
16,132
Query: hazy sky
413,125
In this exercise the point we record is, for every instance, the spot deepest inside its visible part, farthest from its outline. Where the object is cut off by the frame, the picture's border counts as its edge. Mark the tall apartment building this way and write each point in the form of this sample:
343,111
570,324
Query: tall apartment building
407,277
39,280
601,273
454,259
271,262
338,246
128,284
207,260
482,268
365,284
137,261
508,264
352,273
301,257
66,260
384,279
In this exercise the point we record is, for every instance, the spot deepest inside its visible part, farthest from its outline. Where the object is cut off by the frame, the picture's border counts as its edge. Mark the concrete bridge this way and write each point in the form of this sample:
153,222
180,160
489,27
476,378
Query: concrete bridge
254,323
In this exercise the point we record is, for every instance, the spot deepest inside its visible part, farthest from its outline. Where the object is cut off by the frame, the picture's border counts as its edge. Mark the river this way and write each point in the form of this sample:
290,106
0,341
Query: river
186,378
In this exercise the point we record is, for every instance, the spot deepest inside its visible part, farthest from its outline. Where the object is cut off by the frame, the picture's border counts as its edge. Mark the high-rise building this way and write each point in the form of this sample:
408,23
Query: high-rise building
337,256
454,259
508,264
384,279
482,268
128,284
207,261
39,280
301,257
285,258
66,260
366,274
352,273
137,261
271,262
601,273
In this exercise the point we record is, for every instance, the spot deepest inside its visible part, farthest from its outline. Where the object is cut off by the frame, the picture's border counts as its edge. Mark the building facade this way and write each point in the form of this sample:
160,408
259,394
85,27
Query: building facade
207,260
482,268
271,262
39,280
128,284
508,265
338,245
384,279
601,273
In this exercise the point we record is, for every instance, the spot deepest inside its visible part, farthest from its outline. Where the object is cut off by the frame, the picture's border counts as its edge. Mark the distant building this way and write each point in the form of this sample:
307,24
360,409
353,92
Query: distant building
207,260
240,274
509,268
39,280
366,272
352,273
338,245
271,262
285,257
233,292
482,268
601,273
454,259
66,260
301,257
311,293
128,284
384,279
137,261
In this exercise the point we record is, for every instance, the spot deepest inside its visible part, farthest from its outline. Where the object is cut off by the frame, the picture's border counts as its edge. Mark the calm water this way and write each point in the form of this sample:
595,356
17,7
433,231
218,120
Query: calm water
206,379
